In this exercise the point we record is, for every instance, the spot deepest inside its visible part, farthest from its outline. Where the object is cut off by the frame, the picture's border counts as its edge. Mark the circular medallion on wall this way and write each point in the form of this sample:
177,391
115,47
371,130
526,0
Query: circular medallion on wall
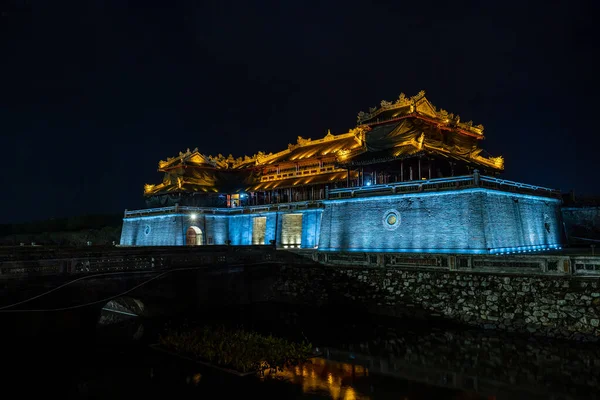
147,230
391,219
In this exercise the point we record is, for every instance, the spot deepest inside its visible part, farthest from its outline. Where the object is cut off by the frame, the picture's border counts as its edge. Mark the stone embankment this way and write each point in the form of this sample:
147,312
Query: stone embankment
477,361
559,305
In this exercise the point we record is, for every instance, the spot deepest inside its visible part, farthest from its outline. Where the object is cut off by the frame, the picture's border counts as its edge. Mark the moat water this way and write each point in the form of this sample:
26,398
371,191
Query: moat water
362,357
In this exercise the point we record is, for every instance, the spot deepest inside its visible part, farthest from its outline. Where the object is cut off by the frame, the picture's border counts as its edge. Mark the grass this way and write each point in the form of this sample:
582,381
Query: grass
240,350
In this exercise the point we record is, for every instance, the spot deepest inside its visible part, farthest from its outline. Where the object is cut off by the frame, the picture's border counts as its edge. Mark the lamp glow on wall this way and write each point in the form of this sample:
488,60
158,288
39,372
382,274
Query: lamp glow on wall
291,230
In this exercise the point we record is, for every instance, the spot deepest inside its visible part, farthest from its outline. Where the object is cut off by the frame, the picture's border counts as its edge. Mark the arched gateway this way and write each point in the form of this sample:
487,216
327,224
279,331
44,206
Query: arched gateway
193,236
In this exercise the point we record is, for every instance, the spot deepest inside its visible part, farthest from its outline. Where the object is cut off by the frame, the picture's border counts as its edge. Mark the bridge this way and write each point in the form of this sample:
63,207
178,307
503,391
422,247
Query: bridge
58,291
61,290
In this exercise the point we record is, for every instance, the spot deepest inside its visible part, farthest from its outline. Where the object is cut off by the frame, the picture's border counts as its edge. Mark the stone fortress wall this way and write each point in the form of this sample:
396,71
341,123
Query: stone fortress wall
471,220
170,229
582,224
461,221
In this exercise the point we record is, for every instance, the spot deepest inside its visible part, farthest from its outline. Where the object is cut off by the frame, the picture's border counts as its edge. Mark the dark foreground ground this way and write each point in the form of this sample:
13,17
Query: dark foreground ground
363,357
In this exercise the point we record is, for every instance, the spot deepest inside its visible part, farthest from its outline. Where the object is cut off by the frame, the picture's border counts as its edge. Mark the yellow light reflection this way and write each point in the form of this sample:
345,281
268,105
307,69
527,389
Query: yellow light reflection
350,394
320,375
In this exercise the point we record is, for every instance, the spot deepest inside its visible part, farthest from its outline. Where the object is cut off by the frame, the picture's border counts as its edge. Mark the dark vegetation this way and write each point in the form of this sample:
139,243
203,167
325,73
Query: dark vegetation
236,349
70,231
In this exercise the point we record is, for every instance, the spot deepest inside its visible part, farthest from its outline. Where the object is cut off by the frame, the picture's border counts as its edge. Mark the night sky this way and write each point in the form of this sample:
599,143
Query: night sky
94,93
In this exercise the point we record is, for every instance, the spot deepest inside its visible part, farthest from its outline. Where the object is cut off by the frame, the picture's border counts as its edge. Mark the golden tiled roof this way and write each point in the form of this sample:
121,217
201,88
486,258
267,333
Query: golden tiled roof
399,129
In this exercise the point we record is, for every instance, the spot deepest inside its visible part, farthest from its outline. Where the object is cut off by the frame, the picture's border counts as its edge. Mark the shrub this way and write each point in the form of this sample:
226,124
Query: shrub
240,350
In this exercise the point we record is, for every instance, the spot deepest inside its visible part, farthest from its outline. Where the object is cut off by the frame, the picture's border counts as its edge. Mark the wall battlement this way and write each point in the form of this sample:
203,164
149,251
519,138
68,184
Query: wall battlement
470,214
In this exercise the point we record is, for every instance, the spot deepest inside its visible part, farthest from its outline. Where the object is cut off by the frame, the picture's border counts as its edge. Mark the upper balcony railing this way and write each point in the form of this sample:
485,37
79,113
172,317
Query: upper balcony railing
299,205
440,184
430,185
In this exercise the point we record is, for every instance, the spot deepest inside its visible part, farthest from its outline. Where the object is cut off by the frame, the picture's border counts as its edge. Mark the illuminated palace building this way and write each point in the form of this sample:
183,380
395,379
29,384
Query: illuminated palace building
407,178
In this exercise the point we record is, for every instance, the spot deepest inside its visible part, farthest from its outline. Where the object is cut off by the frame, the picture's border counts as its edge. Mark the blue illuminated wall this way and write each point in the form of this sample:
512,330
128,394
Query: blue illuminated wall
170,229
155,230
460,221
216,228
520,221
240,227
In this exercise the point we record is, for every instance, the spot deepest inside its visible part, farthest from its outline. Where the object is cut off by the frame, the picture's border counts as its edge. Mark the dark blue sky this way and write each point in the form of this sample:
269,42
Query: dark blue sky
95,93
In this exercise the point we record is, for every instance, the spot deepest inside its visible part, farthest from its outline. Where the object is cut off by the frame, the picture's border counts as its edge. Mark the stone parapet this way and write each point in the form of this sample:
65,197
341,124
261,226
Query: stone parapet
556,305
521,264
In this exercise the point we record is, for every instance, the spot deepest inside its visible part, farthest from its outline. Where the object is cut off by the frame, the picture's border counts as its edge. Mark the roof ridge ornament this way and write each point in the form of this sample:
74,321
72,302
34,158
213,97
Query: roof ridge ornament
303,142
411,103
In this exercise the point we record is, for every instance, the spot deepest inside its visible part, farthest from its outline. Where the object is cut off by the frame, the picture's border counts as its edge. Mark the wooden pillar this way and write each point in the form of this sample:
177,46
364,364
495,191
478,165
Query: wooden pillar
348,177
420,176
429,167
401,171
410,172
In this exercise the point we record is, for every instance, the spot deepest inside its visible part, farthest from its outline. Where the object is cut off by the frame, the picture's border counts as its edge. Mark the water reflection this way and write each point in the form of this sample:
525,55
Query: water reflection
320,376
498,366
379,360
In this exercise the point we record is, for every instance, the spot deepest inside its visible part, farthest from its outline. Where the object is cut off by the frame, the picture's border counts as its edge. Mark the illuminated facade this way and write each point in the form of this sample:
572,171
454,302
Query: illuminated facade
408,177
